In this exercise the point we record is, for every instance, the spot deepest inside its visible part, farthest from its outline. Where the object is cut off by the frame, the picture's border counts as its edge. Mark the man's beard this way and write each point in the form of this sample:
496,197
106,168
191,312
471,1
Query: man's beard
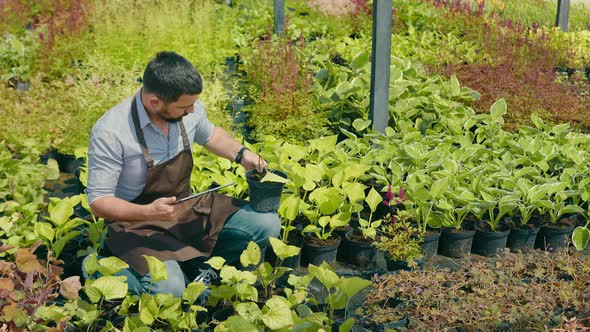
175,119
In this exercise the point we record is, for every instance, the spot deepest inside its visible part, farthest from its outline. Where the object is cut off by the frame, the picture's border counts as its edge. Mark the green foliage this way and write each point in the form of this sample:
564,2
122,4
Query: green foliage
17,54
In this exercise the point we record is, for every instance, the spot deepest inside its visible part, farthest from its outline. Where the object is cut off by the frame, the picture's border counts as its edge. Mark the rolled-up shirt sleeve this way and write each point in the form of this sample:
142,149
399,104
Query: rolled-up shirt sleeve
204,127
105,163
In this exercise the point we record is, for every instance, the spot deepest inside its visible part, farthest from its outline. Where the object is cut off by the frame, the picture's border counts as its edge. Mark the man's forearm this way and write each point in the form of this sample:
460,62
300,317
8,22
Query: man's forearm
114,208
223,144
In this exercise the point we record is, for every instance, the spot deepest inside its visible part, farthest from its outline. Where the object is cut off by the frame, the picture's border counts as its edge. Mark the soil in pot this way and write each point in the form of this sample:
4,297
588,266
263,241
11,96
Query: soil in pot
555,237
264,196
456,243
487,242
522,237
359,250
315,251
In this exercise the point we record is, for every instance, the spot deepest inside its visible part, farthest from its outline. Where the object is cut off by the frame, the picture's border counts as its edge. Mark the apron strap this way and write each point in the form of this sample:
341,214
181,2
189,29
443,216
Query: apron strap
139,132
185,141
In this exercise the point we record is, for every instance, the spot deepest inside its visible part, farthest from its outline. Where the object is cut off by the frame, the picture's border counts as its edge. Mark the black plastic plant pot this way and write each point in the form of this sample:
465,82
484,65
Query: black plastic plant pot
554,237
46,156
68,163
264,196
522,240
430,243
223,314
358,253
455,243
391,325
316,254
488,243
402,265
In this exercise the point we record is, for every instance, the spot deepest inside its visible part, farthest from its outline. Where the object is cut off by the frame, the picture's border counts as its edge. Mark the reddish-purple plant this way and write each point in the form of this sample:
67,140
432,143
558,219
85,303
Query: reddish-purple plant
392,202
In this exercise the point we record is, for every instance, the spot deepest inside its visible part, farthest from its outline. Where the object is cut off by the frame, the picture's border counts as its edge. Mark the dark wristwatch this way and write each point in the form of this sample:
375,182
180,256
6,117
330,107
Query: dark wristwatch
241,154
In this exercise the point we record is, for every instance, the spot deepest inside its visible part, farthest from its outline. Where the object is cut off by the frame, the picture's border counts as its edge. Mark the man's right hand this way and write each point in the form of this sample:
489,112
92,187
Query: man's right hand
164,209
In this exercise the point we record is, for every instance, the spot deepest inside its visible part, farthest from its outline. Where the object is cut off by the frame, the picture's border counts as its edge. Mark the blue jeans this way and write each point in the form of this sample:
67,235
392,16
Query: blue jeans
240,228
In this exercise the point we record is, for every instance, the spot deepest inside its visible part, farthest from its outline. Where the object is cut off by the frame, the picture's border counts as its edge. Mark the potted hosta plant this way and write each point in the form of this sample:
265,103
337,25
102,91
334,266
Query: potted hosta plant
491,235
358,247
523,228
557,233
457,236
320,242
425,219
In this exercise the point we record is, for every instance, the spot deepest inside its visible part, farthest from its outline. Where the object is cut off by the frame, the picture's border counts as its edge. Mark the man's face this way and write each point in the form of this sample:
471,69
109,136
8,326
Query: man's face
174,111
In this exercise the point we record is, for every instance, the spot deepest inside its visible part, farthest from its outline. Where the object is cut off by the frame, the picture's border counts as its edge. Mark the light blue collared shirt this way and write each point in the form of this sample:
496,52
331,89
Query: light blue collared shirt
116,166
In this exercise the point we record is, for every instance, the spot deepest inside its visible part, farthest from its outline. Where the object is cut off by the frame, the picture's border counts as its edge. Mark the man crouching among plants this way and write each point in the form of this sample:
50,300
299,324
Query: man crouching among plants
139,167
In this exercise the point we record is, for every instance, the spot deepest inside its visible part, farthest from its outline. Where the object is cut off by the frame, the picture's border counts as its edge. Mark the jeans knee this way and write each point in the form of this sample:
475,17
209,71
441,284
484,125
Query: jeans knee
175,284
269,226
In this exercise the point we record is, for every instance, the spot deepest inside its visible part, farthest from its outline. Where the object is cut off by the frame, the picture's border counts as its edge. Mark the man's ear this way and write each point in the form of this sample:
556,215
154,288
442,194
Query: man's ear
155,102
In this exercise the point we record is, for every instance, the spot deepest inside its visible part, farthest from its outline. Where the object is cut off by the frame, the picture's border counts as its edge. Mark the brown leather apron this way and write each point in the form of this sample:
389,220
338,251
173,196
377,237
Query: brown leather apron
197,227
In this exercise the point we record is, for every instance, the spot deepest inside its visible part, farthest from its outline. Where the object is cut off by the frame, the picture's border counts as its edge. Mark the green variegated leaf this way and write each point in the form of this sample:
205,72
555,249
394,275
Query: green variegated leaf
580,237
250,256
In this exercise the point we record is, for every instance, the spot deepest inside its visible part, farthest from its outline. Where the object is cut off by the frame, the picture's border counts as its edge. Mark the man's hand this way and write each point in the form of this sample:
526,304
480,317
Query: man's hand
251,160
164,209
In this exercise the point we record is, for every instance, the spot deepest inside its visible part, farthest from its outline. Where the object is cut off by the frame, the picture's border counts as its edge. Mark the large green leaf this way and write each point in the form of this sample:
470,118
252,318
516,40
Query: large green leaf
110,265
439,187
248,311
289,208
354,190
351,286
216,262
580,237
236,323
278,315
61,212
498,109
250,256
193,291
283,250
148,309
373,199
360,60
109,287
52,169
324,274
44,230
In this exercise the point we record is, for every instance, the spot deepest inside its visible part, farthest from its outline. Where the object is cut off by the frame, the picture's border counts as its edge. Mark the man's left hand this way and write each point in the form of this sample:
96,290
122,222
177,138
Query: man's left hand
251,160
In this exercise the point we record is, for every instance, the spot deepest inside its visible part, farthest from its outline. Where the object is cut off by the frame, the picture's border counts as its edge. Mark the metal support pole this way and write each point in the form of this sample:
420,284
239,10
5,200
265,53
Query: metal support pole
279,11
380,61
563,13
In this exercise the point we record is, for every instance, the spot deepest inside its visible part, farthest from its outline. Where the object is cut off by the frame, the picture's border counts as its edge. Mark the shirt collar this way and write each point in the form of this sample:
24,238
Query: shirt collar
144,120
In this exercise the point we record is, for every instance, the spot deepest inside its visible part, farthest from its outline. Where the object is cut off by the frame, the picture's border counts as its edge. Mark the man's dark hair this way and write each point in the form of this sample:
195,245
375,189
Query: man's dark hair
169,75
